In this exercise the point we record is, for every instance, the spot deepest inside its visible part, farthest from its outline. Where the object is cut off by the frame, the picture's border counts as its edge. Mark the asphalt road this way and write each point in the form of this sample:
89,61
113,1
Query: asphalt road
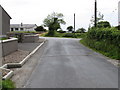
66,63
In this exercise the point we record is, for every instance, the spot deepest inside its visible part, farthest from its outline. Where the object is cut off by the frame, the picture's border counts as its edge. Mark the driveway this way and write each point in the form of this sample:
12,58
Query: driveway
66,63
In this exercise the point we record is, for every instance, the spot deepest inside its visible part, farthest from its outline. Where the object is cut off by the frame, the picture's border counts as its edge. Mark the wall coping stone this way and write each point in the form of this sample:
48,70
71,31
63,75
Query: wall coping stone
8,40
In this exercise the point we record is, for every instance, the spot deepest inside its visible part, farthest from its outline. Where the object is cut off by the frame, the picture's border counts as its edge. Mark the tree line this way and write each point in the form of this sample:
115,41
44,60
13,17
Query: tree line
54,21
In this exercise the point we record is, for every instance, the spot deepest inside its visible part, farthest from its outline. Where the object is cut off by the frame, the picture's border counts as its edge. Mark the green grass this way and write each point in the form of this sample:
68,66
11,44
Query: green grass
24,31
43,34
67,35
7,84
3,38
103,47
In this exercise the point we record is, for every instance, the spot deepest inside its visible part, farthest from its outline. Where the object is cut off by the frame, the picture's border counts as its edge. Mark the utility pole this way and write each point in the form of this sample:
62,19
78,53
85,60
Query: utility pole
74,24
95,13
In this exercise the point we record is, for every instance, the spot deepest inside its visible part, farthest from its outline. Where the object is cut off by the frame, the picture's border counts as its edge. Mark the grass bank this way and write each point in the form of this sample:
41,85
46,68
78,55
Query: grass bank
7,85
105,41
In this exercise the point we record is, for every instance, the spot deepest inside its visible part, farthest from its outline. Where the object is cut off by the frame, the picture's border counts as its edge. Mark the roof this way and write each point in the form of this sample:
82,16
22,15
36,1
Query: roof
5,11
23,25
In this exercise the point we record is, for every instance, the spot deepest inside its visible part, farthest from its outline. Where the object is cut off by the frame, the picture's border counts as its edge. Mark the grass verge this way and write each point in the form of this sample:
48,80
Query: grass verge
104,47
7,84
65,35
23,32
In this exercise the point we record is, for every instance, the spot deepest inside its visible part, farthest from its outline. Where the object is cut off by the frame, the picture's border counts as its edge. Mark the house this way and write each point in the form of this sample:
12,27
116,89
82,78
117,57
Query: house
23,27
4,22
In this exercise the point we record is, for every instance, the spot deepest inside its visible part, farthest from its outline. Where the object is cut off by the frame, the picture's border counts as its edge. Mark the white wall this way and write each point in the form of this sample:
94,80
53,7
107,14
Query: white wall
24,29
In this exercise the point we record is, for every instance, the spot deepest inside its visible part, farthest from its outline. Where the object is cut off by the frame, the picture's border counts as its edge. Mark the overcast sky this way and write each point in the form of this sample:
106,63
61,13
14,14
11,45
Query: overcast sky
34,11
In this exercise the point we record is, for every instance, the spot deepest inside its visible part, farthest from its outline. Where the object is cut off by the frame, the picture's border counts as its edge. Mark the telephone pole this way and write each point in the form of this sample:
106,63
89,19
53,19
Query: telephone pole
74,24
95,13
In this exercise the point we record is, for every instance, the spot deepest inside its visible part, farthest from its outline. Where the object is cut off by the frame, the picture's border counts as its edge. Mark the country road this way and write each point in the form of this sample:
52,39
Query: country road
66,63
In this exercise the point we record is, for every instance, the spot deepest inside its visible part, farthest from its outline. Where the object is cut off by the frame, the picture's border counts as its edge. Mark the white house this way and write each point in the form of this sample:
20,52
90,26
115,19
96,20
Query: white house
4,22
23,27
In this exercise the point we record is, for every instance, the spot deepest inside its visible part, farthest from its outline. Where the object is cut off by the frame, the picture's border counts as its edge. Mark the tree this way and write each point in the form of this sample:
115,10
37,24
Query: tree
54,21
81,30
103,24
40,29
70,28
100,17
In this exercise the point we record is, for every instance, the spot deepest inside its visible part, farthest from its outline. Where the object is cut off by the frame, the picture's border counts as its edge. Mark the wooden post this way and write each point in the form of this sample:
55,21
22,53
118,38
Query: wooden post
95,13
74,24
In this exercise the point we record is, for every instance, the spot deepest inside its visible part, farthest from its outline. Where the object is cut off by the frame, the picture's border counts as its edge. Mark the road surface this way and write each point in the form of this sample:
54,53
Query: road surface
66,63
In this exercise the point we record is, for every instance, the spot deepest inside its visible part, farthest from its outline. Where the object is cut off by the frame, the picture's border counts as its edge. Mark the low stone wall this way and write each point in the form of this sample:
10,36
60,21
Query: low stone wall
25,37
30,38
9,46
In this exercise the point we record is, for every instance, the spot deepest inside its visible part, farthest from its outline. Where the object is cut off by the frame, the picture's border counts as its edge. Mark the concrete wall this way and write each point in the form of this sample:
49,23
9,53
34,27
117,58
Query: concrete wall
0,21
30,38
5,23
9,46
0,35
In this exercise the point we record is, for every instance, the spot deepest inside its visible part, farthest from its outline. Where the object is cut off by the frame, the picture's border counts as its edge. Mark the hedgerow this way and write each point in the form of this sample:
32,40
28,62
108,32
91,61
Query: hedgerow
104,40
112,35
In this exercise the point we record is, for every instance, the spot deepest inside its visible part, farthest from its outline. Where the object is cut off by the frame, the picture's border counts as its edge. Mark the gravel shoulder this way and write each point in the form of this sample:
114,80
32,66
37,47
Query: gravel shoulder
15,57
21,75
4,71
24,49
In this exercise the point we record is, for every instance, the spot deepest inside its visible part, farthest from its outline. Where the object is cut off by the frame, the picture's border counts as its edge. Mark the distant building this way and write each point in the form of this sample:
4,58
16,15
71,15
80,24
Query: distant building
23,27
4,22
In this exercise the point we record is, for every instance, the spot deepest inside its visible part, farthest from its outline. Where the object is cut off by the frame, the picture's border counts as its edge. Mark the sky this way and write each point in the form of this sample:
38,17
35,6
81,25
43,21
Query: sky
35,11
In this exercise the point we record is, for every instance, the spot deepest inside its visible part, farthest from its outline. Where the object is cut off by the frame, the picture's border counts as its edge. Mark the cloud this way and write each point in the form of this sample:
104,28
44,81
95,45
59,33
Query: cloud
34,11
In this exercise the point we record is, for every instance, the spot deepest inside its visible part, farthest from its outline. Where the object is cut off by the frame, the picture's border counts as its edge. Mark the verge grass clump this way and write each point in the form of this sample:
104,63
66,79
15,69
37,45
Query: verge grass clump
8,84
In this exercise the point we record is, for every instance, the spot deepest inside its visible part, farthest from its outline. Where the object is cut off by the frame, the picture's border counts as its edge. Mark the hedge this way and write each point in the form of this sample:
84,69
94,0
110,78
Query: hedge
112,35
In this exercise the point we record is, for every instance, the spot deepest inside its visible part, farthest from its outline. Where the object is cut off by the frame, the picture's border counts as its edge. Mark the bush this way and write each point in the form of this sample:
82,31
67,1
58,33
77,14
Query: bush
110,34
69,35
81,30
61,31
54,34
7,84
40,29
80,35
103,24
104,40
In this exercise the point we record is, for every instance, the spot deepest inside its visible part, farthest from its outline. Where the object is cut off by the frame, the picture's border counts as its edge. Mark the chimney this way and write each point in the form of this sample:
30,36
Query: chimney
21,24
